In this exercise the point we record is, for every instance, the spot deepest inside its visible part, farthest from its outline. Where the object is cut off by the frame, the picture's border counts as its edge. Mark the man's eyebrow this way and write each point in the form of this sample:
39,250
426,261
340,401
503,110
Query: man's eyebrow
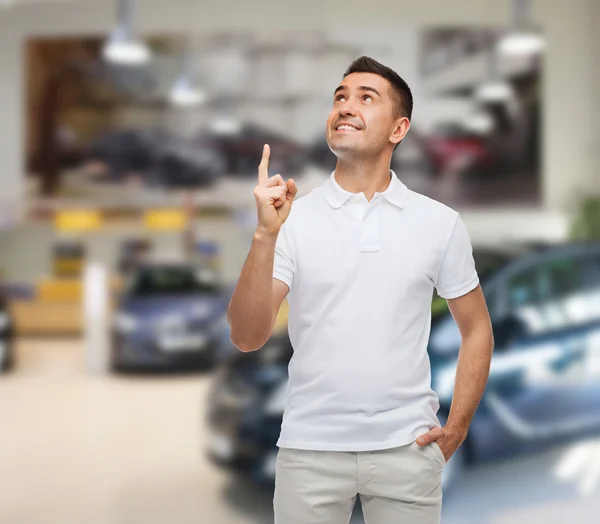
360,88
367,88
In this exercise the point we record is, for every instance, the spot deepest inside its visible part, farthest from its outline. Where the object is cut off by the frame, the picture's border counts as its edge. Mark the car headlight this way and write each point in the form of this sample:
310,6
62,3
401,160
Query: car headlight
4,321
276,401
125,322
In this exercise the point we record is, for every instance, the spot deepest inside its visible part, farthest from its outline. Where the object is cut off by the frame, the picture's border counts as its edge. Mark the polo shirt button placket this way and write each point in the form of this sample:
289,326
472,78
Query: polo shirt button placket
369,242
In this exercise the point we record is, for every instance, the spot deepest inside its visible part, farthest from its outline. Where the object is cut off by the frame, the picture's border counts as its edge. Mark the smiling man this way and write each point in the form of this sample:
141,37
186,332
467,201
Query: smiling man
358,259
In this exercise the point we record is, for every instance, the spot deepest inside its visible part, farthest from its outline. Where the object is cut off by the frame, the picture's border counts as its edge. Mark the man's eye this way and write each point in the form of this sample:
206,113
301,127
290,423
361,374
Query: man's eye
367,96
339,97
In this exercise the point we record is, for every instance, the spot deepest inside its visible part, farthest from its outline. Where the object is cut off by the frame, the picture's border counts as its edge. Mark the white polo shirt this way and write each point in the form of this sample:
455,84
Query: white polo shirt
361,277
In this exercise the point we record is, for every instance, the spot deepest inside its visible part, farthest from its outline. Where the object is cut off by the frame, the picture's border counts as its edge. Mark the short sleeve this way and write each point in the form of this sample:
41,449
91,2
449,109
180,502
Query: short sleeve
283,264
457,274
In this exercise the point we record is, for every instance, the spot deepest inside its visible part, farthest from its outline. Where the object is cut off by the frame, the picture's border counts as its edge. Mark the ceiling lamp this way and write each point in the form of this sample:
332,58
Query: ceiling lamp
122,48
479,122
521,44
495,88
523,39
184,93
494,91
225,125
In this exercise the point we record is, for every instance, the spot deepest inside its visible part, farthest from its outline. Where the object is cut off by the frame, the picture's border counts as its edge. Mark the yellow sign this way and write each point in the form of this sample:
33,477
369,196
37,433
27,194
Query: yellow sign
77,220
164,219
281,321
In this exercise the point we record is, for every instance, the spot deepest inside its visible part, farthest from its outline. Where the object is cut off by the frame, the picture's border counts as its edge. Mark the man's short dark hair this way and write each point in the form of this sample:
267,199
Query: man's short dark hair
401,93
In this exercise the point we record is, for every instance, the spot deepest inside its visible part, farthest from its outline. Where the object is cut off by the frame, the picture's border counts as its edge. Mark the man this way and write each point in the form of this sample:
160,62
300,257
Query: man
359,258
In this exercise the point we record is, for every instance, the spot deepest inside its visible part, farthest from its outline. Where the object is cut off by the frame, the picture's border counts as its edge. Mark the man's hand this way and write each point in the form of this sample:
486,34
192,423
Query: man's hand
274,196
447,438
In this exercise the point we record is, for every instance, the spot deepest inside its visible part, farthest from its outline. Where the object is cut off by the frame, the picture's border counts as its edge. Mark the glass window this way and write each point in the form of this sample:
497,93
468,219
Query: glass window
561,278
168,280
593,282
551,295
523,288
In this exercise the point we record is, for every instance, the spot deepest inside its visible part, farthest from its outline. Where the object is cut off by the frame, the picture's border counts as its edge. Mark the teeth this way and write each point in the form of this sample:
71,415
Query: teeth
347,128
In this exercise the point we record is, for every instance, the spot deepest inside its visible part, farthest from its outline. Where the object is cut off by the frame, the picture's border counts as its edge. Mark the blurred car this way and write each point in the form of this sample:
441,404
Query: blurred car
6,336
242,150
183,165
245,409
171,316
544,383
451,147
156,157
118,153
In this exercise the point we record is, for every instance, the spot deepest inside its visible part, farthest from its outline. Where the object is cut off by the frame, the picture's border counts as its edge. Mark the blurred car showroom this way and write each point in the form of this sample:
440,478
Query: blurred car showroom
130,137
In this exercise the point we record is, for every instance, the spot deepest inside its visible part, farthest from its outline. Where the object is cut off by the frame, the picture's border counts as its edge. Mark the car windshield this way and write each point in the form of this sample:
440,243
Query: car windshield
175,280
487,263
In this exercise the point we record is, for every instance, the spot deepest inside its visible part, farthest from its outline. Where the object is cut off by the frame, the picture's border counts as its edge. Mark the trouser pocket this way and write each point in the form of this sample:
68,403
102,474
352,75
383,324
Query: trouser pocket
439,452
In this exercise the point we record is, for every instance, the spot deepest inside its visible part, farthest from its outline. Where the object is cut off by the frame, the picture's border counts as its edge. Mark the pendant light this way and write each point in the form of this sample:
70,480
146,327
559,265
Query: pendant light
496,88
184,92
523,39
122,47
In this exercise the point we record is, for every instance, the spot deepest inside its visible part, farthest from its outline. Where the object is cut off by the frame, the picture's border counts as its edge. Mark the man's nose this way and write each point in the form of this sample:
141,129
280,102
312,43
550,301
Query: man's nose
348,109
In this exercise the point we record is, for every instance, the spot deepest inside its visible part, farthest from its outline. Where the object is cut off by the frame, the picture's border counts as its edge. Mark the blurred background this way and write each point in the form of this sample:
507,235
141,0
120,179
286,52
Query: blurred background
129,141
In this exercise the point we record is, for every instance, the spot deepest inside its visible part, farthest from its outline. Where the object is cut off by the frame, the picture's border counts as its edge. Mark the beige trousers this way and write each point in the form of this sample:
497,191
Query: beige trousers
401,485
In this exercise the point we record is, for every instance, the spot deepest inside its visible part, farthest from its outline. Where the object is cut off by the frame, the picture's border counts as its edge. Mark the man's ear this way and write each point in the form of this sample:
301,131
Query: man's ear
401,128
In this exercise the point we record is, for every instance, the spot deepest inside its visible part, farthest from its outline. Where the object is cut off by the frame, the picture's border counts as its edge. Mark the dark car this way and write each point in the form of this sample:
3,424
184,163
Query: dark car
245,409
171,316
156,157
242,150
183,165
544,383
6,336
117,154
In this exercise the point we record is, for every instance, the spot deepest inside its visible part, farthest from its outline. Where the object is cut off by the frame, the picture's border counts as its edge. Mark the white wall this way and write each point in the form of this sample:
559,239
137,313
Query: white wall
11,124
571,82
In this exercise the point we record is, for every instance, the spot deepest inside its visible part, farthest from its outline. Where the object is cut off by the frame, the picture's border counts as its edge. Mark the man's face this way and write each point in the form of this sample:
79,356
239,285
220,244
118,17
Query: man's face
363,119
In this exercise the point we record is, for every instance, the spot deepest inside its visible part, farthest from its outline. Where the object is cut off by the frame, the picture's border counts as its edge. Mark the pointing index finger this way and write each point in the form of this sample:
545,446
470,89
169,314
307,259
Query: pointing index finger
263,167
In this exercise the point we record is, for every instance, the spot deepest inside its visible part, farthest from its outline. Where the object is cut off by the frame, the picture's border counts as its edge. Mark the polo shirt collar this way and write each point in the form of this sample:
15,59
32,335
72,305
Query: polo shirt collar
336,196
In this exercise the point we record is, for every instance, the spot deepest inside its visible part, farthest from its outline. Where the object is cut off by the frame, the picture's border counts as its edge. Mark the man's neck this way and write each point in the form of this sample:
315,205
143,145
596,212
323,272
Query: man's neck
369,176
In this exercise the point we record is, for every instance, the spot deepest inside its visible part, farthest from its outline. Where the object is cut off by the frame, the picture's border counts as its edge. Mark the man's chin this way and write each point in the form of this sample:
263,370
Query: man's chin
344,144
345,150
